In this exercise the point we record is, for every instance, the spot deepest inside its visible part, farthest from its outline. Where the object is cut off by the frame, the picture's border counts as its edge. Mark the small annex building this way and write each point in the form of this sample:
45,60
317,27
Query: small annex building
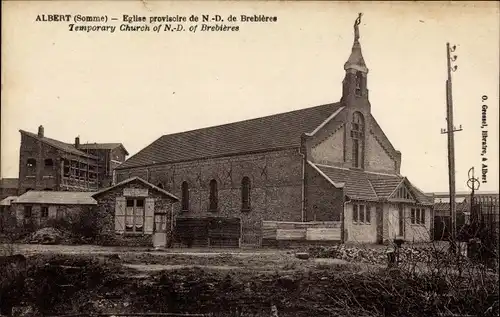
37,208
135,209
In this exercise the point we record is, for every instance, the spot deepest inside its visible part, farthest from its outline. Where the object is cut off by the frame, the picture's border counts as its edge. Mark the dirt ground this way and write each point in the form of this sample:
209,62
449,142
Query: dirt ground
224,282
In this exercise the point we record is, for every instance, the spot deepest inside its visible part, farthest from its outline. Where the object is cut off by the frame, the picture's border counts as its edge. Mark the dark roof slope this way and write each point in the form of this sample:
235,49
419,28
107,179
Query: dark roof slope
282,130
69,148
101,146
364,185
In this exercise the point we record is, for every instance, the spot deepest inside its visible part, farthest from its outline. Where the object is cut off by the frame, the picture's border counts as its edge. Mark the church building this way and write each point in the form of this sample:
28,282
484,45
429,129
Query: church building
328,163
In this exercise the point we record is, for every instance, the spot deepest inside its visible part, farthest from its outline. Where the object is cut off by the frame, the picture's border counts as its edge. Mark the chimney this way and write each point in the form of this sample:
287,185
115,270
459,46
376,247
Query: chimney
40,131
77,142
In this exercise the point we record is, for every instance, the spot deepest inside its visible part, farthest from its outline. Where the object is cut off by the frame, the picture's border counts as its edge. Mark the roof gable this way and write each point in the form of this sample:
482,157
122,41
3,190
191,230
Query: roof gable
68,148
402,192
132,179
273,132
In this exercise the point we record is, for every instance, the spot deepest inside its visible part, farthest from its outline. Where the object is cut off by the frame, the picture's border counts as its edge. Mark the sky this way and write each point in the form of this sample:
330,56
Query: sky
133,87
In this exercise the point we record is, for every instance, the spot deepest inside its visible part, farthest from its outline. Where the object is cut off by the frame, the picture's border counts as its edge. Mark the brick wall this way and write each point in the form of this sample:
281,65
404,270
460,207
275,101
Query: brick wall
42,177
276,186
39,177
323,201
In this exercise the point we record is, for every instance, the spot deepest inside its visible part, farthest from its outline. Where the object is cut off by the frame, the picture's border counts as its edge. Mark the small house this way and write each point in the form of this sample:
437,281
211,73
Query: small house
135,209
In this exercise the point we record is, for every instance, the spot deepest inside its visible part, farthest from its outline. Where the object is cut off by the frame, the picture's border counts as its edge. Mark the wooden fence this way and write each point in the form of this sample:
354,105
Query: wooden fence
279,232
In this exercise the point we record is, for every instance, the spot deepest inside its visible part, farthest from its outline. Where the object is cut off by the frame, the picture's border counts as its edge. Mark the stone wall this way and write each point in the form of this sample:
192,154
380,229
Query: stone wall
276,187
105,211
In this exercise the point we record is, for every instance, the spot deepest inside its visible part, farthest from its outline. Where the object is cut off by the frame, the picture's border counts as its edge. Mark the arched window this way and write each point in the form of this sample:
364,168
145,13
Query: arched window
185,196
213,196
31,163
357,135
245,194
359,83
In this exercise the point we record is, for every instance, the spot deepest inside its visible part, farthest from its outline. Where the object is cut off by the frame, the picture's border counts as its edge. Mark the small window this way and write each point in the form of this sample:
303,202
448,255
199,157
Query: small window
185,196
31,163
130,203
48,189
361,214
160,185
418,216
368,215
44,212
213,196
49,163
245,193
140,203
27,211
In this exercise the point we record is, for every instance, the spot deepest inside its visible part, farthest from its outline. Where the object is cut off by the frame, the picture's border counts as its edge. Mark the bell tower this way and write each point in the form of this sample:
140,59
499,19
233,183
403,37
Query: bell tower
354,85
355,99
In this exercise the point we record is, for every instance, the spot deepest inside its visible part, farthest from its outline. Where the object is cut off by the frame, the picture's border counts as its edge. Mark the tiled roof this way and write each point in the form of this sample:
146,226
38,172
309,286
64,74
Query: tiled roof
148,184
69,148
7,201
56,198
364,185
460,207
101,146
282,130
9,182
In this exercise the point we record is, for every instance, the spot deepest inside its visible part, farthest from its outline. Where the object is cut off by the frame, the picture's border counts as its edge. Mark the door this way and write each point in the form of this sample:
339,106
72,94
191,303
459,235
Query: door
160,231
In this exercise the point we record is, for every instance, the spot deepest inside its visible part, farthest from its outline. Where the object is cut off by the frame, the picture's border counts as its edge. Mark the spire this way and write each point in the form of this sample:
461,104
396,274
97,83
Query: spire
356,60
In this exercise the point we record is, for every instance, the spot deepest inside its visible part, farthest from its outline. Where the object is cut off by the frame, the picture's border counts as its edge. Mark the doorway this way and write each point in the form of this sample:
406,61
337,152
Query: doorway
160,230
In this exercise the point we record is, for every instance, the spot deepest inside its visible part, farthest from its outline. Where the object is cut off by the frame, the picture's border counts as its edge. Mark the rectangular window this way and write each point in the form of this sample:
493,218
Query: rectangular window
355,152
361,214
44,212
422,216
134,216
418,216
27,211
368,215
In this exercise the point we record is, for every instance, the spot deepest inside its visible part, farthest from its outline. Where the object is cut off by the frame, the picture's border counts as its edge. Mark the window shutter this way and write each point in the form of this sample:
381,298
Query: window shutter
149,215
120,204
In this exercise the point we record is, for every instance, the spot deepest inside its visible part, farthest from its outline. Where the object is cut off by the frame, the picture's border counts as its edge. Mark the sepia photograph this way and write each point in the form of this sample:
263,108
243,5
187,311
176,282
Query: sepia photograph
249,158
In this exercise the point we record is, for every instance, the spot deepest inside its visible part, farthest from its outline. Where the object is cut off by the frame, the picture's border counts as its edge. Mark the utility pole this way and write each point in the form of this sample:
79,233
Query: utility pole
450,130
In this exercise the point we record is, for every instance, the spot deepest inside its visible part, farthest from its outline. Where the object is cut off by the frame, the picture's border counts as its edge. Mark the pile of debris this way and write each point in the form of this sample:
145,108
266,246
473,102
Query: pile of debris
46,235
379,255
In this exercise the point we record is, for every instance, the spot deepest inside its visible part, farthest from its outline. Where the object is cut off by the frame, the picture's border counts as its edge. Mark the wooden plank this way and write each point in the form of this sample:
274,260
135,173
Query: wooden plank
321,234
290,234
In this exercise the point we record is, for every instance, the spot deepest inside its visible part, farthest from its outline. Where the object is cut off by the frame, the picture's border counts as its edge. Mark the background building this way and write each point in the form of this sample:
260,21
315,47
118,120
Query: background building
8,187
49,164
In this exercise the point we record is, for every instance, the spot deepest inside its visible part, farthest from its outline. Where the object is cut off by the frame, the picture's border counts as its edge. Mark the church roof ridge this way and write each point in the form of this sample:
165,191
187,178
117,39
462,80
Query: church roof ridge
278,131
